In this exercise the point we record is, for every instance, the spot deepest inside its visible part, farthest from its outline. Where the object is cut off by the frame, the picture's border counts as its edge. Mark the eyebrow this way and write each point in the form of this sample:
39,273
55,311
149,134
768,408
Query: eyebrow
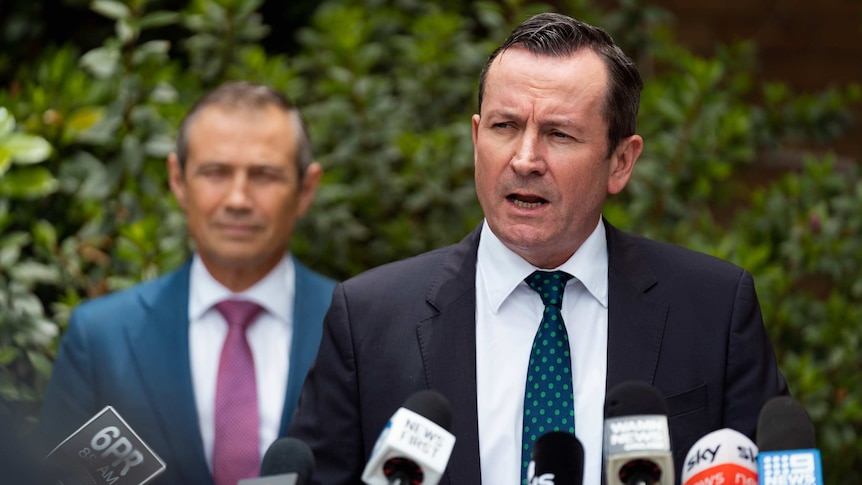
263,164
553,122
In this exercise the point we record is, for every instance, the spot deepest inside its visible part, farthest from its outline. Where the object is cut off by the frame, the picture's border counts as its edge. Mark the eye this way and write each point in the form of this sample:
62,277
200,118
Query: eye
214,171
266,175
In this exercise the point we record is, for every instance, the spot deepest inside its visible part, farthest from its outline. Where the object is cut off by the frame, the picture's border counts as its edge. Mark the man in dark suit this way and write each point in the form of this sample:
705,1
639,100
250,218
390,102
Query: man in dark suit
244,174
555,135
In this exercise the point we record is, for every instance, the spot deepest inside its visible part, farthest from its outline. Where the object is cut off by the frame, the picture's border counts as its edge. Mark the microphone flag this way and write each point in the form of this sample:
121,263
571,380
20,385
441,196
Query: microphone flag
722,456
104,450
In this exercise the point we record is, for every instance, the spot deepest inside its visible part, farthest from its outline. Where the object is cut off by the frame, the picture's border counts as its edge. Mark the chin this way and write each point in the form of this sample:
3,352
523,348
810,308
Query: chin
521,240
237,260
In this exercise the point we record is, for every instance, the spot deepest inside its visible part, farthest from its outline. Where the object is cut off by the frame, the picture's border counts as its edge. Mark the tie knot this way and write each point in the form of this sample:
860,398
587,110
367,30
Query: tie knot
239,312
549,285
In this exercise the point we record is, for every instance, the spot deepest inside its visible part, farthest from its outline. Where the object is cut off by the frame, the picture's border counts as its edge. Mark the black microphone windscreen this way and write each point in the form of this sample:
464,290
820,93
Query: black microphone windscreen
784,424
634,398
432,405
288,455
560,454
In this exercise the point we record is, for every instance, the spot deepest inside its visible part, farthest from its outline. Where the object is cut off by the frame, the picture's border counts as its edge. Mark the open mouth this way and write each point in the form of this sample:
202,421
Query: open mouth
526,201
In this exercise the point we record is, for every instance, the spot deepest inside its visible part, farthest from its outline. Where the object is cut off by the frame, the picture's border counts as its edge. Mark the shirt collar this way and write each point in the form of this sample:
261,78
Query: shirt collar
205,291
502,270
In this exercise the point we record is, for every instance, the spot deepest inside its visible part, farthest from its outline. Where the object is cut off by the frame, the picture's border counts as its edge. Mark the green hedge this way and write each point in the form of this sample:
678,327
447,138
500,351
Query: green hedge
388,88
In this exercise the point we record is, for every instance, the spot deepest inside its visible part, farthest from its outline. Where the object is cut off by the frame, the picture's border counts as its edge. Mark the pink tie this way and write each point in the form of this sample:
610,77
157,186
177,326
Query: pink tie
236,448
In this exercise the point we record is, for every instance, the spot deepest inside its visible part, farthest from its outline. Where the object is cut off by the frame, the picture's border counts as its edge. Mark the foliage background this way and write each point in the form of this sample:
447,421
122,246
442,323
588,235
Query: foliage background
89,108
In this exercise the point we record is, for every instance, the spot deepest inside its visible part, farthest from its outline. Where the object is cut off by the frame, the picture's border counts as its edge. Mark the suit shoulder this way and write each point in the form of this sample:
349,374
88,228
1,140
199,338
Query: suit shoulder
666,258
313,279
126,302
403,272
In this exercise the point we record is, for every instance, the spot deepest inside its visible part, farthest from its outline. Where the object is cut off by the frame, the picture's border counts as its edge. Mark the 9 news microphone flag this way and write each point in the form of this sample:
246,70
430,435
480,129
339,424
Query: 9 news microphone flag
785,436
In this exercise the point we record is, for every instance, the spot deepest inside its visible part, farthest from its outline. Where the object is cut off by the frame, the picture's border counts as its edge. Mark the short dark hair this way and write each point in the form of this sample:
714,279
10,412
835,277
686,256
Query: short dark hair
553,34
244,94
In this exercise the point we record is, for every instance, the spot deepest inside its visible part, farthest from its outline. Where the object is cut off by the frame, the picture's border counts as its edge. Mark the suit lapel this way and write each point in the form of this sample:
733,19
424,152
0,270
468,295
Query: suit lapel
448,337
160,344
308,306
635,321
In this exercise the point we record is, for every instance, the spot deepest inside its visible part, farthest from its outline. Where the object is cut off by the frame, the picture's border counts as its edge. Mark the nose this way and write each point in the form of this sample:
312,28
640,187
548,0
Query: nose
238,197
527,158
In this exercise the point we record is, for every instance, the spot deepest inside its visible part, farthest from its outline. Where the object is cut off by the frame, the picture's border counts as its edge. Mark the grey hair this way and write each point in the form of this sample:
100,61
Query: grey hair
244,94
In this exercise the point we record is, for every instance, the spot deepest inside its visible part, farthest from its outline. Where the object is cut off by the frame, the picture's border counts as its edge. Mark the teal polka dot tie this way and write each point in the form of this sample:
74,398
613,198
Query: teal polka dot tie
548,397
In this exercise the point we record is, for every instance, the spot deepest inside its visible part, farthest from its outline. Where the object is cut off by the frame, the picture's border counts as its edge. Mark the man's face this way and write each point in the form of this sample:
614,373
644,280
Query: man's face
540,149
241,190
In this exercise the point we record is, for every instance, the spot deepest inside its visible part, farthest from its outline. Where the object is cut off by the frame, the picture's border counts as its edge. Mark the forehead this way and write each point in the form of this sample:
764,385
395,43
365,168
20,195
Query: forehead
242,132
557,82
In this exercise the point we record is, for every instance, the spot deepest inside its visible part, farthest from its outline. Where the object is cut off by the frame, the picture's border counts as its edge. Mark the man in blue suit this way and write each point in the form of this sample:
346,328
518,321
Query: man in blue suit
243,173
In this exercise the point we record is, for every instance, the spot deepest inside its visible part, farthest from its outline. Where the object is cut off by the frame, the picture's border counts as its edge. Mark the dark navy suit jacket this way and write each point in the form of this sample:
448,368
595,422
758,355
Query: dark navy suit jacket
130,350
686,323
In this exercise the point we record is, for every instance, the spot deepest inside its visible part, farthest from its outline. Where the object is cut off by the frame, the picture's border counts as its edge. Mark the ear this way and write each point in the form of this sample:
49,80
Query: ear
476,120
622,163
310,181
176,179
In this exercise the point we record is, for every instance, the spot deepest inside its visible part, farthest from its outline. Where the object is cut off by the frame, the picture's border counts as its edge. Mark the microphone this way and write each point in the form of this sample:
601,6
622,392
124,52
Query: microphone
636,439
104,450
724,456
415,444
287,461
785,436
558,459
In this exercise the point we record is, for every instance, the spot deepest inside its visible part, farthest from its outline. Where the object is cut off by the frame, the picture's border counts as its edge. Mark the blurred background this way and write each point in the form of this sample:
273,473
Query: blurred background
750,116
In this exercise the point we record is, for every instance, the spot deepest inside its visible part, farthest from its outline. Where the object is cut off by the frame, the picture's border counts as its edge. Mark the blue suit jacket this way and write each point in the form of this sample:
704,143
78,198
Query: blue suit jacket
686,323
130,350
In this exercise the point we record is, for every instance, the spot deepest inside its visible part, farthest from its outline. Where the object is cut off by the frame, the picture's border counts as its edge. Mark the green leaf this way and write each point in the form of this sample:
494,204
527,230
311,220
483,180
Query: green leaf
7,122
159,146
41,363
7,355
17,239
9,256
159,19
152,50
83,119
27,149
164,93
86,176
45,234
111,9
29,272
30,182
5,160
102,62
126,31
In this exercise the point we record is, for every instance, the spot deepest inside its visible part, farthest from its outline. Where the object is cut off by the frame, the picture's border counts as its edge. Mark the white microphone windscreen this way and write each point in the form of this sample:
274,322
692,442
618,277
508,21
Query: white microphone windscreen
722,456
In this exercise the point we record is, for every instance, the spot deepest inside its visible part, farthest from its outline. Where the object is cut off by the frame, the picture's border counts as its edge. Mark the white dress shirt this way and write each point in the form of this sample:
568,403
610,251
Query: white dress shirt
508,313
269,338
